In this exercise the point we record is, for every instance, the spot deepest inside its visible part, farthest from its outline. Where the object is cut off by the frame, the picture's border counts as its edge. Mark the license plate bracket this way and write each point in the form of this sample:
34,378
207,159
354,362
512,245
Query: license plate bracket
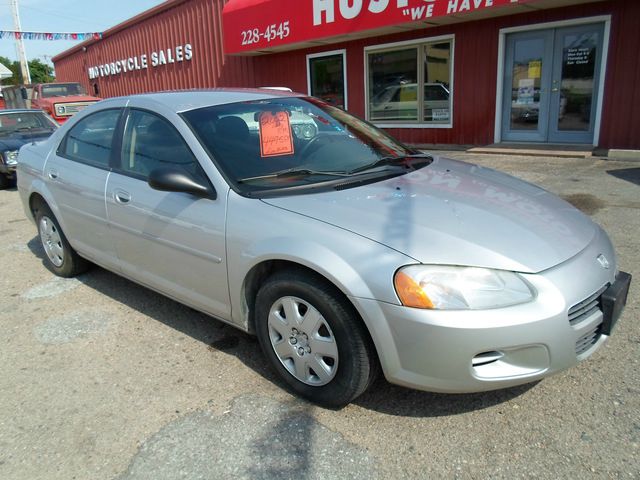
613,301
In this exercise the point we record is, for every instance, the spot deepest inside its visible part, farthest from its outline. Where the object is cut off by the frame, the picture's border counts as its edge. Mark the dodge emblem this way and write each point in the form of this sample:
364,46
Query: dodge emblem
602,260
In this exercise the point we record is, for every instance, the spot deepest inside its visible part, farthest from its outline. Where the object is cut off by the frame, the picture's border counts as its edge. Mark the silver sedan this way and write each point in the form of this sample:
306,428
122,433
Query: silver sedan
344,251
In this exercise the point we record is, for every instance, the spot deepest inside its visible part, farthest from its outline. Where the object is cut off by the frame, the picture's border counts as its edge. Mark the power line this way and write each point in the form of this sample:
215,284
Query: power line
53,14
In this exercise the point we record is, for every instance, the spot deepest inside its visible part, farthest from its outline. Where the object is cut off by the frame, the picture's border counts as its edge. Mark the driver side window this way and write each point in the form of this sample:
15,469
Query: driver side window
151,142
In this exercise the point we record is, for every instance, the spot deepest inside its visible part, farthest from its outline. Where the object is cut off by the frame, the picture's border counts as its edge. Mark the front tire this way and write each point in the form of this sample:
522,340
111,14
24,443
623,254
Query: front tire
60,257
314,338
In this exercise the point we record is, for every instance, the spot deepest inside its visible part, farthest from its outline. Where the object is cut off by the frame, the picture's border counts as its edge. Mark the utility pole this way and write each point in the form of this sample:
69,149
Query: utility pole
22,56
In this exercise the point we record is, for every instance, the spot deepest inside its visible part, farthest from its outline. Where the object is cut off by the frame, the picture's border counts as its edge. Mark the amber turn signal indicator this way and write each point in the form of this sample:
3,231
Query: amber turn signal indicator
410,292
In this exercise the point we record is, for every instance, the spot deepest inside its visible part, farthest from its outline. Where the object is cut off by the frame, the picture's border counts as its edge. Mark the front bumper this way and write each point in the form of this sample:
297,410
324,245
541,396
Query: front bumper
470,351
8,170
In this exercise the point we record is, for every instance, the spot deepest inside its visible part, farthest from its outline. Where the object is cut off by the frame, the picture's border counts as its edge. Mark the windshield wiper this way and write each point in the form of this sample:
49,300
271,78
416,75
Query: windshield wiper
390,160
293,172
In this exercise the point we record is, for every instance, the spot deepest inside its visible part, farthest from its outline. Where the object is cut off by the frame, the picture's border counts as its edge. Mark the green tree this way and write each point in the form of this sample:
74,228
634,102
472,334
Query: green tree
40,72
15,69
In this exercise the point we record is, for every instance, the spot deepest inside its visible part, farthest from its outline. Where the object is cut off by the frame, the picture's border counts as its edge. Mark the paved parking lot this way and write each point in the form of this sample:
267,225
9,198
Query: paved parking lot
103,379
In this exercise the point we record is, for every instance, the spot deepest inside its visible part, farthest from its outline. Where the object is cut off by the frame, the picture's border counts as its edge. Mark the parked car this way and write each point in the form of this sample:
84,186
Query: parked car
400,102
343,250
18,127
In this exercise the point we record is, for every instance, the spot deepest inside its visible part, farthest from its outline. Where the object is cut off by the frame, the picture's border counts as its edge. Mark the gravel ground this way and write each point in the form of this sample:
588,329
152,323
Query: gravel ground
103,379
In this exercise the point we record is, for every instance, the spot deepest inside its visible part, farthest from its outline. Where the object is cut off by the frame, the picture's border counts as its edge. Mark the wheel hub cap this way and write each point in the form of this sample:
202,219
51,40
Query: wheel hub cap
303,341
51,241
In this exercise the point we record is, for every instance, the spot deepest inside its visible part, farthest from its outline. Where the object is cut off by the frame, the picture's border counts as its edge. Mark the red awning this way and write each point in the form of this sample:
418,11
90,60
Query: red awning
255,26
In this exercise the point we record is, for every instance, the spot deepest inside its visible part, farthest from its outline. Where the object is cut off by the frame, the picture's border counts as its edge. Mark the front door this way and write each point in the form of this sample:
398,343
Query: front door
171,241
551,84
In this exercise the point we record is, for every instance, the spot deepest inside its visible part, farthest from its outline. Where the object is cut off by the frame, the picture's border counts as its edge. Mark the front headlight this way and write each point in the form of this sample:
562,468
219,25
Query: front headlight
459,288
60,109
11,157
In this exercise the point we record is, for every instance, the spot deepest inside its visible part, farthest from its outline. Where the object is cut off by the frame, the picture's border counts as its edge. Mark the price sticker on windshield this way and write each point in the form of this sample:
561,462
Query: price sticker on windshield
275,134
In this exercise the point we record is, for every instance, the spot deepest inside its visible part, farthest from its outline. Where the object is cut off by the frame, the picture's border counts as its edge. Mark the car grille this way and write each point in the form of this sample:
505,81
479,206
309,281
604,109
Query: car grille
582,311
589,339
71,108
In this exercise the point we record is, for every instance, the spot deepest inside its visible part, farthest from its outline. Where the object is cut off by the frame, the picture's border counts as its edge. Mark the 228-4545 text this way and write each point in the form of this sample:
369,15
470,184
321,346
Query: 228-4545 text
269,34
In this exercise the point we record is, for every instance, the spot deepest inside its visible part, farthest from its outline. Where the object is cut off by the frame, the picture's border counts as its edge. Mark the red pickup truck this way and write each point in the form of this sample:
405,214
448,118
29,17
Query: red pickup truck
60,100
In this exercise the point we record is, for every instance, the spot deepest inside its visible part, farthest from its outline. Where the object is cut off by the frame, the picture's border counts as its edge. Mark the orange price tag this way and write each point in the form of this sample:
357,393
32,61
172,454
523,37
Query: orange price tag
275,134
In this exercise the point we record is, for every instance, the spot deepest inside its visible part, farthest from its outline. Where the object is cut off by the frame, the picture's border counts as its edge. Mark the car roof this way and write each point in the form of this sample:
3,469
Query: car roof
20,110
185,100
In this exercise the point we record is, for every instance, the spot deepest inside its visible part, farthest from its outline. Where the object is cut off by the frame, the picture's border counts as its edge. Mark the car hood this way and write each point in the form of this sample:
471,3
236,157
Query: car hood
16,140
454,213
69,99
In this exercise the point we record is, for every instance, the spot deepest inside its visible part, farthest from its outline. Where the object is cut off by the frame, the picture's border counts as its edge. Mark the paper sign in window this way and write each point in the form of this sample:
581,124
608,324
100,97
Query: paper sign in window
275,134
535,68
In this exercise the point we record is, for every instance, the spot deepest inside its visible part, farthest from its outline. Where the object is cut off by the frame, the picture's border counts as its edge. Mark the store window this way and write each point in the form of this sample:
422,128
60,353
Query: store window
327,77
410,84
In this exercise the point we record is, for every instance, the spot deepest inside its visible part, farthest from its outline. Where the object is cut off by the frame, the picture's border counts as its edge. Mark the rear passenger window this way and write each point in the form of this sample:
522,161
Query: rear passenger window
151,142
90,140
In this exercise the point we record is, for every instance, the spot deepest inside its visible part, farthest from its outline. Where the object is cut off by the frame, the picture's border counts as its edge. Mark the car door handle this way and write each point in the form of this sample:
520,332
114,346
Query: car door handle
52,174
121,196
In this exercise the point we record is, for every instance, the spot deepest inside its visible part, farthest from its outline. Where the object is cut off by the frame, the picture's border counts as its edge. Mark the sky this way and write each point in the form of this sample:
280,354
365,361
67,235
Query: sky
64,16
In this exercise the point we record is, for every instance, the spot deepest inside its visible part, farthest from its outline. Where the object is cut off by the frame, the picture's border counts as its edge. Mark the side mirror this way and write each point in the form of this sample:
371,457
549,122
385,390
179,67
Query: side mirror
174,179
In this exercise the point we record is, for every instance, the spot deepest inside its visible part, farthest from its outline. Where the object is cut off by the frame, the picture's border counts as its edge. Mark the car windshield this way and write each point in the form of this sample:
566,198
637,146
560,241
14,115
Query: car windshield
62,90
23,122
294,141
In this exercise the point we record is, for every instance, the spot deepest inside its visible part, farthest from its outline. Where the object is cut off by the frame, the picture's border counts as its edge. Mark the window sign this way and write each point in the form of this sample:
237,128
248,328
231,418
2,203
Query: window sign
578,81
525,91
535,68
438,114
275,134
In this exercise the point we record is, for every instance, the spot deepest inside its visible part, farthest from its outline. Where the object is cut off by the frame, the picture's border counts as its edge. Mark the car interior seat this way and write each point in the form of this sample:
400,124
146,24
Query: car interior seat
159,145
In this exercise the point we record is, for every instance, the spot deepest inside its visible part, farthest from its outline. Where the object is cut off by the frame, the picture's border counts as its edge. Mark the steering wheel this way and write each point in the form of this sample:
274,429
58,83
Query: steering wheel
314,140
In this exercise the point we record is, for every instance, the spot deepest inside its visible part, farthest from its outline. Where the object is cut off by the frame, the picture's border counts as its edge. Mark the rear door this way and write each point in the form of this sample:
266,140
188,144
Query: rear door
173,242
77,175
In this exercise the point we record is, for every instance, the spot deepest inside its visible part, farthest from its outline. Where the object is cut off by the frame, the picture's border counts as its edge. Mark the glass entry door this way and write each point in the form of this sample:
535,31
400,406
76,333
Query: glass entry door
551,84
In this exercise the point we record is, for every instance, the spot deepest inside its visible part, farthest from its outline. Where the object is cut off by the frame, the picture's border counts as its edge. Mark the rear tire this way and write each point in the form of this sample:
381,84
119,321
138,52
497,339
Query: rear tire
314,338
60,257
4,181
